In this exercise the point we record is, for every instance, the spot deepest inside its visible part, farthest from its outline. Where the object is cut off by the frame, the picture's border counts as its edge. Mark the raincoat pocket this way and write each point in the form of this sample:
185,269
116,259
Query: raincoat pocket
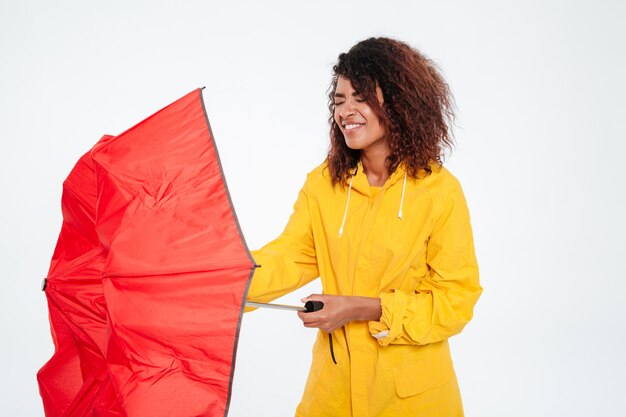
420,376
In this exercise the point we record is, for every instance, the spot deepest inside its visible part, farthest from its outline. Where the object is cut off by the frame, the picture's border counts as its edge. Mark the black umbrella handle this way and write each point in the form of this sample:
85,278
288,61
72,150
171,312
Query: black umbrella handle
312,306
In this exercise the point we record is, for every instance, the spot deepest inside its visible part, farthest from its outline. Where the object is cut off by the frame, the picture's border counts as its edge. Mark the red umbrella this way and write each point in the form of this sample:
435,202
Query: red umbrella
148,279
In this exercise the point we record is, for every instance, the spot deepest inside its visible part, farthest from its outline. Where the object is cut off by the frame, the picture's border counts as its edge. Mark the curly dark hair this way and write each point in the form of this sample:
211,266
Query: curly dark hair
417,110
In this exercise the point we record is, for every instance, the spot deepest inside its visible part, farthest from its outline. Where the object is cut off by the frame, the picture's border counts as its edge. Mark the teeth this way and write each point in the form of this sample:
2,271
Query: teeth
352,126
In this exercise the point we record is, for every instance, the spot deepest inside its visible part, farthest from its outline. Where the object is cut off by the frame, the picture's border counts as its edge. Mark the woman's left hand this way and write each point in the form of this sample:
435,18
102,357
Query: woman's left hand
339,310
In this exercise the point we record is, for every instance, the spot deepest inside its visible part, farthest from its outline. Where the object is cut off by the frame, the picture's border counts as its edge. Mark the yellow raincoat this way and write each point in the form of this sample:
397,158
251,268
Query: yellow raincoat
408,243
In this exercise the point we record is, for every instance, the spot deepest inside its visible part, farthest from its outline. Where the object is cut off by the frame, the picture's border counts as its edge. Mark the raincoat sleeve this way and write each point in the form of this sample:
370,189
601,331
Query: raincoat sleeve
443,302
288,262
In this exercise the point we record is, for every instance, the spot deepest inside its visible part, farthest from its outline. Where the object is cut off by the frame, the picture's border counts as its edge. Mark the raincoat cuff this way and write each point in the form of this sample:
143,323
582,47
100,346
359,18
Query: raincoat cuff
389,327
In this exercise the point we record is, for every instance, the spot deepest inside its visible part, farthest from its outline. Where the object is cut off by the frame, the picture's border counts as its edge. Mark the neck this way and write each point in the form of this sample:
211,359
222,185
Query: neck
375,167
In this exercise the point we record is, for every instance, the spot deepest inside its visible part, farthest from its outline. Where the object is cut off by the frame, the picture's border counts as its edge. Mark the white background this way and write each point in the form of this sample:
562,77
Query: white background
540,92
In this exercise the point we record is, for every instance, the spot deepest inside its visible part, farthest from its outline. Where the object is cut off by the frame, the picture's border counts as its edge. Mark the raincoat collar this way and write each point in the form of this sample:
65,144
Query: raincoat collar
361,184
358,182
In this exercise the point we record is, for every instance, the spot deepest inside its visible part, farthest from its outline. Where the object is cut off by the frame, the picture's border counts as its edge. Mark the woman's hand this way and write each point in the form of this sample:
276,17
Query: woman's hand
339,310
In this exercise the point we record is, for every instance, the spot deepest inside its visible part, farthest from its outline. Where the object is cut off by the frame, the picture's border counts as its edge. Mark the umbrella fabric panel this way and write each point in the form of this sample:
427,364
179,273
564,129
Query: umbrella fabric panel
76,301
172,342
170,278
177,268
160,183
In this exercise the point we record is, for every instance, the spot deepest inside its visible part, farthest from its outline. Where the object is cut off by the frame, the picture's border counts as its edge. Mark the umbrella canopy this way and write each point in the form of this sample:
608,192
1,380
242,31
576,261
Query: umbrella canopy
148,279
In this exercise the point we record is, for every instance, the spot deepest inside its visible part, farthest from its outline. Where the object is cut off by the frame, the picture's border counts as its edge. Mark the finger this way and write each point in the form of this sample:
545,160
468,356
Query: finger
313,297
306,317
315,322
307,320
312,323
308,297
302,314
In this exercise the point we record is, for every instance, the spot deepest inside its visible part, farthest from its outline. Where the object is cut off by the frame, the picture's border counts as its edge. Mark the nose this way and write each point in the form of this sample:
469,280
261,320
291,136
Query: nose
347,111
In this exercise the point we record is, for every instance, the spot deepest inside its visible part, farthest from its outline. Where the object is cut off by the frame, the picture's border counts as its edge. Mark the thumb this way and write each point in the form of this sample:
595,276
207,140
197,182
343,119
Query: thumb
312,297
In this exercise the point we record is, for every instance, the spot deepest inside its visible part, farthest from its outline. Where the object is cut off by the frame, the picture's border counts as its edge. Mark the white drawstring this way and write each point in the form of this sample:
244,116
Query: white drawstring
345,213
402,198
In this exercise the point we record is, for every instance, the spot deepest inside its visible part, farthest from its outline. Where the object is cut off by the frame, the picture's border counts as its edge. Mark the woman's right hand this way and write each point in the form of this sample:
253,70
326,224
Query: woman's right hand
339,310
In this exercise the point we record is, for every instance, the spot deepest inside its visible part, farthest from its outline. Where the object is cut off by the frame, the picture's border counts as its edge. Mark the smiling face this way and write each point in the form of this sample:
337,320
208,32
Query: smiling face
359,123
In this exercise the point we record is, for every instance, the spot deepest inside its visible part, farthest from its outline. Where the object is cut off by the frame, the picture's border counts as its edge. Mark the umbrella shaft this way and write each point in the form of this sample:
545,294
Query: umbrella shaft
274,306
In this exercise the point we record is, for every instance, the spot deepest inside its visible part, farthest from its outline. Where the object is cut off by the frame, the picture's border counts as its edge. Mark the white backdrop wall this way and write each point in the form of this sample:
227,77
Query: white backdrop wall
540,91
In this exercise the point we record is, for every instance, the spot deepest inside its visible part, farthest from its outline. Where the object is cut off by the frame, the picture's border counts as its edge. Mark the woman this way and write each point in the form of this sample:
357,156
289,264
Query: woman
386,227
